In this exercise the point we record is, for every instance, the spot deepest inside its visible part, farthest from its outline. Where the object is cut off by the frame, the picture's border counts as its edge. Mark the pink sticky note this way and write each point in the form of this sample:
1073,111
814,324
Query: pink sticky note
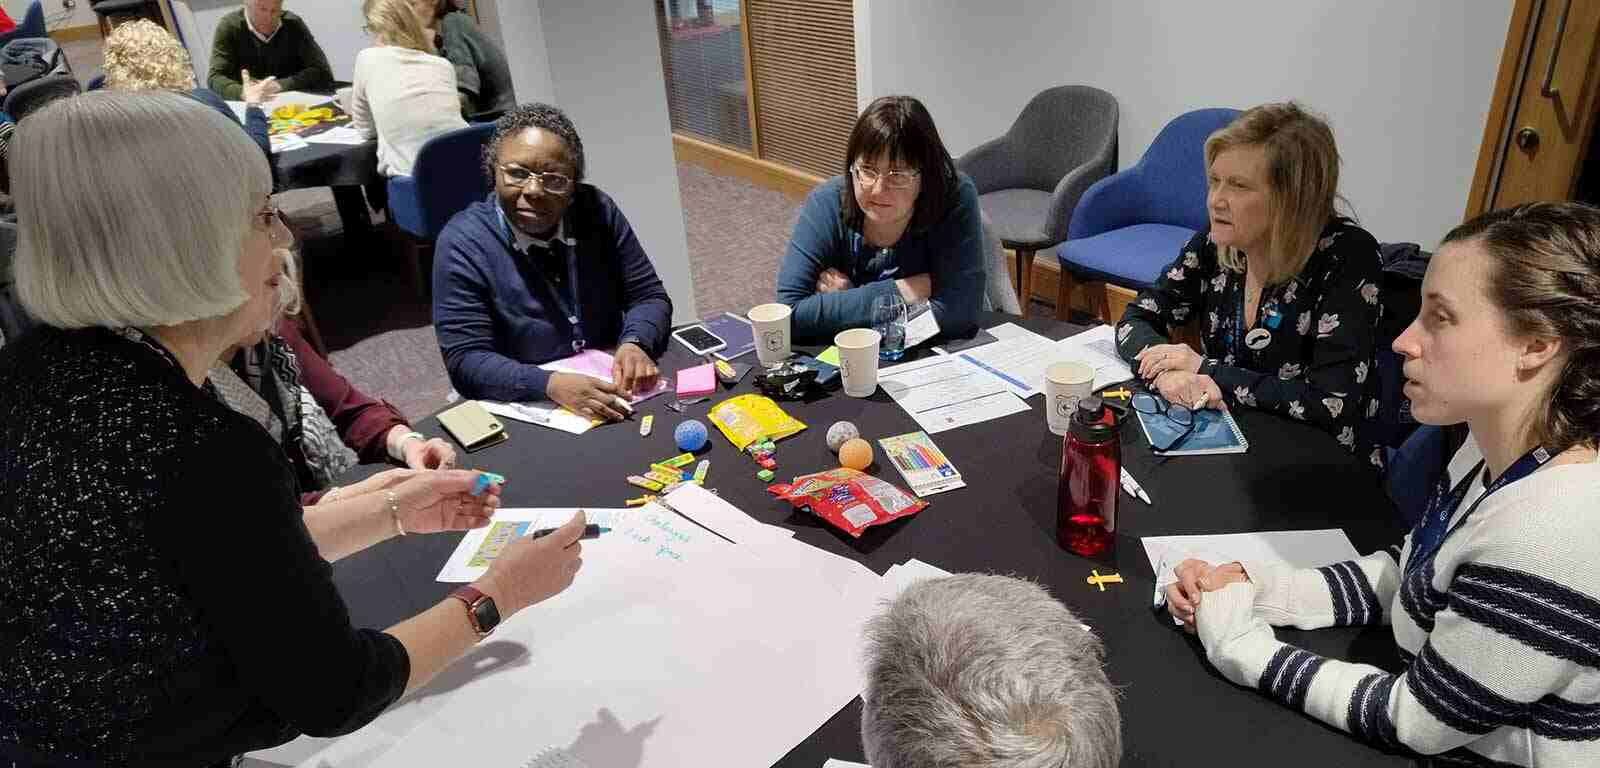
697,381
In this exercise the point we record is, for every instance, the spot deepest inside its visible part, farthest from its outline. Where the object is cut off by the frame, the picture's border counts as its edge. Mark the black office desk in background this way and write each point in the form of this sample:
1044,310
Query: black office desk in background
1175,709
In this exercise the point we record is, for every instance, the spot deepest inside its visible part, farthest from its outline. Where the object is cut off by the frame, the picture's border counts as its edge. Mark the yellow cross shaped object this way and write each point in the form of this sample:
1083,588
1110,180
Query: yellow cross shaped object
1120,394
1101,581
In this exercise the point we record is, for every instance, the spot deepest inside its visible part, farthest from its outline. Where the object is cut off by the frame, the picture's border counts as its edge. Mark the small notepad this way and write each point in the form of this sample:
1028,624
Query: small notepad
1214,432
698,381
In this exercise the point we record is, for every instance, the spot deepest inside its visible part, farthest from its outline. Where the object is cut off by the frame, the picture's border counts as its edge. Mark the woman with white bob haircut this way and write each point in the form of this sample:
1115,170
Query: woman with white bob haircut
166,601
983,671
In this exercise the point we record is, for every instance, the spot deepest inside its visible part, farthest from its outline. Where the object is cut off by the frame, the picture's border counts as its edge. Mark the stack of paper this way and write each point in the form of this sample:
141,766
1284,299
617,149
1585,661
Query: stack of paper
1020,357
948,391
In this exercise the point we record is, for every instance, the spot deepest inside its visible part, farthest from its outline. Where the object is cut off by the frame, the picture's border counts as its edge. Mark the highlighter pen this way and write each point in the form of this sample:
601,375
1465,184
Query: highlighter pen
485,479
590,531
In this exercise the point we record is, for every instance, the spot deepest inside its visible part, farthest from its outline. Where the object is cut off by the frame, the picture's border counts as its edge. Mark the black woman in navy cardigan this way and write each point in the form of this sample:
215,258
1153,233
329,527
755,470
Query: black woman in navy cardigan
545,268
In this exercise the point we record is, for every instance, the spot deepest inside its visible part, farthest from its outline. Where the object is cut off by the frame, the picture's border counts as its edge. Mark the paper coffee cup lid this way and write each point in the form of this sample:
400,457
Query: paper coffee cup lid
1069,372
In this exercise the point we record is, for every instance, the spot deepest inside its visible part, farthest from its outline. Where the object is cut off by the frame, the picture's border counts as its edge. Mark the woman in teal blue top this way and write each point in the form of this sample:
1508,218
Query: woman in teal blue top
900,220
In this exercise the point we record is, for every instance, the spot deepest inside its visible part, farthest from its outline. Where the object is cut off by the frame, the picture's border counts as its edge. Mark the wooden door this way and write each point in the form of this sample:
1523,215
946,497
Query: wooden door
1544,106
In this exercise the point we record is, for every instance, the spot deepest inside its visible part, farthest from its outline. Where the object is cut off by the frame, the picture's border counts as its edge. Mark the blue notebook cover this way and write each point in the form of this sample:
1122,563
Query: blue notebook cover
1214,432
734,330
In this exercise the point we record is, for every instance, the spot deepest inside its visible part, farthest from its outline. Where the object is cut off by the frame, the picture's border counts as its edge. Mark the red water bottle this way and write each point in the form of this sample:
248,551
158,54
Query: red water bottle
1090,483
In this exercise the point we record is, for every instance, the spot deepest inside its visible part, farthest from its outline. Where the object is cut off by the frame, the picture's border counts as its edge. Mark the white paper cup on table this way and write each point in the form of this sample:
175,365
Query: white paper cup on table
858,360
342,98
1065,384
771,323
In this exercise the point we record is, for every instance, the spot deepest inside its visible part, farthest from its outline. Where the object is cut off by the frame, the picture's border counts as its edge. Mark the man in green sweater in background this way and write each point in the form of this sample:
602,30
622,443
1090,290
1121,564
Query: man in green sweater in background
268,42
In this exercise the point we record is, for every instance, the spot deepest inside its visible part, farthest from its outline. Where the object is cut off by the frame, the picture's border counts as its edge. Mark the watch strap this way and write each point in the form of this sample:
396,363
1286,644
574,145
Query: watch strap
471,596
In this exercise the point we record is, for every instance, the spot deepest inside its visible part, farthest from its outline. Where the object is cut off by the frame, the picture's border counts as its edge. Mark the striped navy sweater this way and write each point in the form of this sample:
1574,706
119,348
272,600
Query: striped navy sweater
1500,632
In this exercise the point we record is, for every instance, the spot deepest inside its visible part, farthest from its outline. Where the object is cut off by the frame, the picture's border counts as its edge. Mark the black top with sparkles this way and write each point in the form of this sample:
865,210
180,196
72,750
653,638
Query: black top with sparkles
161,601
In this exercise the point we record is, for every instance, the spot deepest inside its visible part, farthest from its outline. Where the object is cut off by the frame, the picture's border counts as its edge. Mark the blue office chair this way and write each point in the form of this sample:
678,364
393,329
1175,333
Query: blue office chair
32,25
446,178
1131,224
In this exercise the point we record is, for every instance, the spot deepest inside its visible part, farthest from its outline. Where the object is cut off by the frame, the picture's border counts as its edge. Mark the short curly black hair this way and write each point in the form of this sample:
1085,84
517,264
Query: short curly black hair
537,115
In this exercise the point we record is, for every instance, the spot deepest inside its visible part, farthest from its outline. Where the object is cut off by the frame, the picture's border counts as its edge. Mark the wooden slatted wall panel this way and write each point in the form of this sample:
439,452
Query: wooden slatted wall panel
803,57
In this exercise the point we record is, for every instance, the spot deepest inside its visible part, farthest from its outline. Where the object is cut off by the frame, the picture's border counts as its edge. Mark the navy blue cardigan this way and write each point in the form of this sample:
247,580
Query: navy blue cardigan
497,316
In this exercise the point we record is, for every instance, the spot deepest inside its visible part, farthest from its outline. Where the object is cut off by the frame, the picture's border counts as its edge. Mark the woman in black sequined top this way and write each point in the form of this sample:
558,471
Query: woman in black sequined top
163,599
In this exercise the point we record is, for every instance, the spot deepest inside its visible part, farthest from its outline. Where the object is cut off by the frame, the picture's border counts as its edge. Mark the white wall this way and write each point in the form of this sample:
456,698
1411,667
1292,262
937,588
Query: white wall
1405,85
600,61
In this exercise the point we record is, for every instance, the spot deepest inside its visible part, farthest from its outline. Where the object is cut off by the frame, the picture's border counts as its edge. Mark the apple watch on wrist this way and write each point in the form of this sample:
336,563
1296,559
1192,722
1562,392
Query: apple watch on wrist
481,610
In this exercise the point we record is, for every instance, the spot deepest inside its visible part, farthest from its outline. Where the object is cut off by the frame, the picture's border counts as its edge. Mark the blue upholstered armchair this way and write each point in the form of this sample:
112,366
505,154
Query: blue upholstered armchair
447,177
1130,224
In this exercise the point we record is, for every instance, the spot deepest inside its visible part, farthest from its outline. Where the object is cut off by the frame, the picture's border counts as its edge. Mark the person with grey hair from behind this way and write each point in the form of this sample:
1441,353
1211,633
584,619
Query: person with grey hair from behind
985,671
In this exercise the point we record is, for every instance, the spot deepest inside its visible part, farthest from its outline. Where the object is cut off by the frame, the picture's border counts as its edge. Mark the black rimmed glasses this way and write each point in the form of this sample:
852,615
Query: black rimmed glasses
1179,415
893,179
554,183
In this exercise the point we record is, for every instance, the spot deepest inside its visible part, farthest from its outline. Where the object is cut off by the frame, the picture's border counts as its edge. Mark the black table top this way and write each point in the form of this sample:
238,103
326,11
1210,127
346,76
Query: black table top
1175,708
328,165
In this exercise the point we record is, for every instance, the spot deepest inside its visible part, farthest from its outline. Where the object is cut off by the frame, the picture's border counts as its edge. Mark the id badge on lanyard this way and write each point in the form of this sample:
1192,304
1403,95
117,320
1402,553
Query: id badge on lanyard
1434,527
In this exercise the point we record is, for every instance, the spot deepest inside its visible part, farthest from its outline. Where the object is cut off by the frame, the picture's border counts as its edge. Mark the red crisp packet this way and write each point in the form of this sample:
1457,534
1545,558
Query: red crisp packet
850,500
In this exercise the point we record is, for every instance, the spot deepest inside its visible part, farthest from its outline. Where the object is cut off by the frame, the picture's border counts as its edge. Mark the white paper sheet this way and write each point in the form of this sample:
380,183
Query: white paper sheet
1097,347
543,413
1301,549
286,142
947,391
1020,357
597,363
636,662
921,325
837,763
343,134
480,546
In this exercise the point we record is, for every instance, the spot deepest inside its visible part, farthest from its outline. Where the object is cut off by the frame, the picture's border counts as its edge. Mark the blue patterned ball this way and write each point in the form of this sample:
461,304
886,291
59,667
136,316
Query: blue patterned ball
690,436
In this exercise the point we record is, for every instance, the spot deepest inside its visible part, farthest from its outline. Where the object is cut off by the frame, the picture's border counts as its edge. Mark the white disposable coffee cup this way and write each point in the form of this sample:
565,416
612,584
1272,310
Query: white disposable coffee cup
1065,384
771,323
342,98
858,360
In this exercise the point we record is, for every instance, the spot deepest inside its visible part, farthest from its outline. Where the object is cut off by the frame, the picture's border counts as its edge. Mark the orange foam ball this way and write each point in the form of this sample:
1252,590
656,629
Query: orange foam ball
856,454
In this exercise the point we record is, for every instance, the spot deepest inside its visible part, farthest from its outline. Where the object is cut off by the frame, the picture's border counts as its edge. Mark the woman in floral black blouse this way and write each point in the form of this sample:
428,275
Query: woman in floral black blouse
1286,289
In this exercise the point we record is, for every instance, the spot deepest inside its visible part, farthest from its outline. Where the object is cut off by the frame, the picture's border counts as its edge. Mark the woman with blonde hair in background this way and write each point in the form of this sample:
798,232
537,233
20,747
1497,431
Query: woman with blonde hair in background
403,93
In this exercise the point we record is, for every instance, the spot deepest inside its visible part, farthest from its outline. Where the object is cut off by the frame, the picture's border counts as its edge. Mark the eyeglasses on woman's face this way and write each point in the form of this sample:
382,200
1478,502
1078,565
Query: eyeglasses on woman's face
554,183
271,221
868,176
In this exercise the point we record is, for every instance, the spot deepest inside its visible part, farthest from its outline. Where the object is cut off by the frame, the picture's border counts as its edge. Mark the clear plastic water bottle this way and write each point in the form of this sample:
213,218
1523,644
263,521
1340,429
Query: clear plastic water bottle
889,320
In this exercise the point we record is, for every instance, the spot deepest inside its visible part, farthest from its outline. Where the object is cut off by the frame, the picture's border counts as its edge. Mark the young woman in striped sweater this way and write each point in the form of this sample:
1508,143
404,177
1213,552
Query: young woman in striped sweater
1495,596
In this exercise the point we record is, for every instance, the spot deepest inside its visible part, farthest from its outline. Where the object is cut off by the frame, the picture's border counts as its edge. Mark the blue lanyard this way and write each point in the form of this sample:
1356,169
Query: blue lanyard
571,306
1434,527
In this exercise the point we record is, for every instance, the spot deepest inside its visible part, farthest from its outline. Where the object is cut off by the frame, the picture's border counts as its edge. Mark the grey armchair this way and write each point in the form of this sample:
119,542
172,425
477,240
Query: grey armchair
1029,180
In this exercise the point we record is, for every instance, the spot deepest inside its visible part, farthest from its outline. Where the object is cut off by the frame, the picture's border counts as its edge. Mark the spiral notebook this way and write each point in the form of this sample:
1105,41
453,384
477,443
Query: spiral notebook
1214,432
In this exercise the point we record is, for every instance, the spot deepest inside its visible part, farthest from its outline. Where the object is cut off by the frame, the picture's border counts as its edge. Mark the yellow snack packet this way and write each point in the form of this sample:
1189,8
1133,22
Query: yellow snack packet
749,418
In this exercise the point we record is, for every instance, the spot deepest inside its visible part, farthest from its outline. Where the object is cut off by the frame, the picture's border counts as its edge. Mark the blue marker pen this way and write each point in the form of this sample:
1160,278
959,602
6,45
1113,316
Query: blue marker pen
590,531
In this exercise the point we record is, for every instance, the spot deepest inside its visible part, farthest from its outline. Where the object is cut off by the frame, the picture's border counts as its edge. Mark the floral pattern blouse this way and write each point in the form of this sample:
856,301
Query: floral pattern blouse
1309,352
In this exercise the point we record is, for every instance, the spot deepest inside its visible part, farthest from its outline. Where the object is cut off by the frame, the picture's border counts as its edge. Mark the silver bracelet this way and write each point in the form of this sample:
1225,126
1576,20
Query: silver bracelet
399,452
394,511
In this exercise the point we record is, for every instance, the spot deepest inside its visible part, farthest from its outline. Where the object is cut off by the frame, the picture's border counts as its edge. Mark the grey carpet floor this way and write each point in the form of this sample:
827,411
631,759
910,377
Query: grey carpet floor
378,331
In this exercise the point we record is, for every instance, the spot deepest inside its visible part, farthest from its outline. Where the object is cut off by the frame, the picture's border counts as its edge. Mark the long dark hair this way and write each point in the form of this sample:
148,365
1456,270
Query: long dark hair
900,128
1545,277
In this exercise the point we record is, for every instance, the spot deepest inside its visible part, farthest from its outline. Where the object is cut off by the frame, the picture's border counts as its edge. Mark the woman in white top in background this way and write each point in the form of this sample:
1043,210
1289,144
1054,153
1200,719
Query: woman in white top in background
402,93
